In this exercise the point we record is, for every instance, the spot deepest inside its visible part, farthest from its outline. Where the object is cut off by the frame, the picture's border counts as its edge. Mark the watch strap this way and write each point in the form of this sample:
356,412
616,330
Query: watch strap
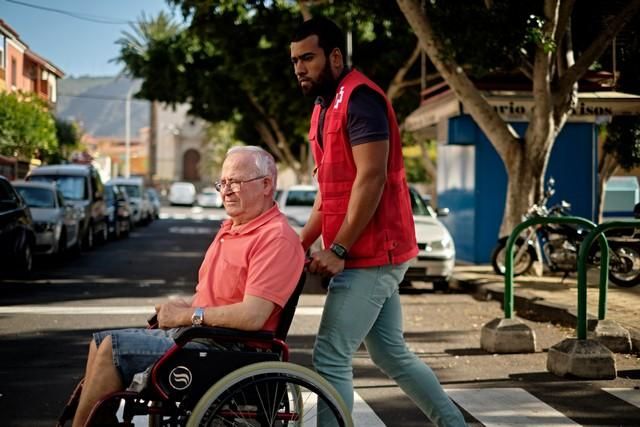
339,250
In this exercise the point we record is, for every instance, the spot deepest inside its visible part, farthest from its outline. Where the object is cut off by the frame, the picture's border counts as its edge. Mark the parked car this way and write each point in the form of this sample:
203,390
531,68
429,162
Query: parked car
437,254
154,198
182,193
209,197
81,185
139,200
17,236
118,211
296,202
56,222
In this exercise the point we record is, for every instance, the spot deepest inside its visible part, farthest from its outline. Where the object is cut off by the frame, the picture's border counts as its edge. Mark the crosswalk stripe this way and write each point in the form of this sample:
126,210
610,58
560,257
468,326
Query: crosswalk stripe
629,395
109,310
508,407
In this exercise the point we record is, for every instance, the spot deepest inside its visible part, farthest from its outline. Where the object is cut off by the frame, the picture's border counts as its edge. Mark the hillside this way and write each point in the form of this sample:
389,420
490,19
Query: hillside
98,105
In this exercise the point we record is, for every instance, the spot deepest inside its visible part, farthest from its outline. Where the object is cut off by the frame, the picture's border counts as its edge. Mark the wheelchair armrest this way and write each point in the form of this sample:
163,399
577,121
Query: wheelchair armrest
224,334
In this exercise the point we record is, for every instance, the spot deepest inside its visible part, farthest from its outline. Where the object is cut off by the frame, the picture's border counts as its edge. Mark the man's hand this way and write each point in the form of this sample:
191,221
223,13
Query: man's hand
174,314
325,263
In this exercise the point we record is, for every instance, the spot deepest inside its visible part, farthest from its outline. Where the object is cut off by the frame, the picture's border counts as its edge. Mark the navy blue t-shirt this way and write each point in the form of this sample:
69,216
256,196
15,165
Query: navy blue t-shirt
366,117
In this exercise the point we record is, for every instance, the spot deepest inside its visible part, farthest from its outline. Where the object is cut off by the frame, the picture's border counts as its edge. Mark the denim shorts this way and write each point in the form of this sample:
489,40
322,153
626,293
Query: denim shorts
134,350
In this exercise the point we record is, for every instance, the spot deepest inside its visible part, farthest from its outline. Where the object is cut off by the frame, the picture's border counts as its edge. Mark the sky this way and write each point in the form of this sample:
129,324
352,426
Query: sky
80,47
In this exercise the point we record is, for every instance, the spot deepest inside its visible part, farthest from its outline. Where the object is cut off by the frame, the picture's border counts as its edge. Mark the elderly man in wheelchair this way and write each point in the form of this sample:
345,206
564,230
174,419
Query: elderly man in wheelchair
219,359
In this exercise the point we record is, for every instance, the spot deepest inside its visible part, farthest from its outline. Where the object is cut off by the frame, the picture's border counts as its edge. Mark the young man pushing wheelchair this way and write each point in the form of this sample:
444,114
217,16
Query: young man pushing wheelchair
247,276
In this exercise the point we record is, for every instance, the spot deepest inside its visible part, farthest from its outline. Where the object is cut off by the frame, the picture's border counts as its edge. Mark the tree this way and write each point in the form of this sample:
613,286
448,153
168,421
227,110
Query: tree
536,39
231,63
69,136
621,148
26,126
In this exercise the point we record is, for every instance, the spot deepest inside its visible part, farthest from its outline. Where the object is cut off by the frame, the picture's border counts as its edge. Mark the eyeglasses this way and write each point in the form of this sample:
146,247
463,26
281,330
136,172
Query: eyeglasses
234,186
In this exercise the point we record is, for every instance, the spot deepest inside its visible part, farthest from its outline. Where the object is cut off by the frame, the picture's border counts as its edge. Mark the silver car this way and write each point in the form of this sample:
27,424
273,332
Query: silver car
437,255
56,222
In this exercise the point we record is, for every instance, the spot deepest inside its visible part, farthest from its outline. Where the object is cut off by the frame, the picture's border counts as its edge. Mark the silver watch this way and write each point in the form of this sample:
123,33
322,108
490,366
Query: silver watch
197,318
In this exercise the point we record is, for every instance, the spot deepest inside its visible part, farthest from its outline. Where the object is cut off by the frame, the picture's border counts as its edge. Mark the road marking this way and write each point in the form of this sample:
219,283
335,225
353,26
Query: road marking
629,395
72,310
109,310
507,407
362,414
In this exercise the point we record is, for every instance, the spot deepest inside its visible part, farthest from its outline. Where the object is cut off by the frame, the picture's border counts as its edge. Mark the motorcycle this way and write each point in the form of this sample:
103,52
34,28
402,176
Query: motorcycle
560,244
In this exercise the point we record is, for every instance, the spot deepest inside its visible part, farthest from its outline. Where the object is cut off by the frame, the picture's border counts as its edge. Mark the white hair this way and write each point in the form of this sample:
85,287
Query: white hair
264,161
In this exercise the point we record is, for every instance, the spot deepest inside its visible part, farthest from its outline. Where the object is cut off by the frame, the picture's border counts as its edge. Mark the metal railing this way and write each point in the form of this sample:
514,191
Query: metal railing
598,232
582,285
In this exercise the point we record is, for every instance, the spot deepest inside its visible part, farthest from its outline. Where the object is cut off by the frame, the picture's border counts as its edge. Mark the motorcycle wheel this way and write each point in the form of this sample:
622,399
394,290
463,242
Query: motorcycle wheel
524,263
629,257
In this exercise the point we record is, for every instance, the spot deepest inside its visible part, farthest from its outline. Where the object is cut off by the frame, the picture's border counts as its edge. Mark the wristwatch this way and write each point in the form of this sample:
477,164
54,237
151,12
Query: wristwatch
197,318
339,250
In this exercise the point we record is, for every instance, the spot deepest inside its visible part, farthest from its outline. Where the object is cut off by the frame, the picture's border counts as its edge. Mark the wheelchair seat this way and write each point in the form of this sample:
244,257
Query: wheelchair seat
186,384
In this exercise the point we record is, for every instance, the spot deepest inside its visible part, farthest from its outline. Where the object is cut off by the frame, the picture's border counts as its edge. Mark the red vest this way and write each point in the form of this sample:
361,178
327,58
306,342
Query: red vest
390,237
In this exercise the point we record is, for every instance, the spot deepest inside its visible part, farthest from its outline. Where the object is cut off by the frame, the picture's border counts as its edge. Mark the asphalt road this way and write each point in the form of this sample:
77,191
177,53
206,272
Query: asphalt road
46,322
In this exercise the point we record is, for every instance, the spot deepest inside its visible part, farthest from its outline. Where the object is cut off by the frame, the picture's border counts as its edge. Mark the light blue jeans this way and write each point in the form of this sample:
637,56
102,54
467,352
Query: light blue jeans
364,305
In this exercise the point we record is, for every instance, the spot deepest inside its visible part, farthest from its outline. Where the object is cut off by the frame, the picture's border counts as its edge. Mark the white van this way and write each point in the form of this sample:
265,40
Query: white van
182,193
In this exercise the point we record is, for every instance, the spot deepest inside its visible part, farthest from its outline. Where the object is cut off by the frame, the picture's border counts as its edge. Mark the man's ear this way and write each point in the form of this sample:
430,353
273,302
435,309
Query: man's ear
336,60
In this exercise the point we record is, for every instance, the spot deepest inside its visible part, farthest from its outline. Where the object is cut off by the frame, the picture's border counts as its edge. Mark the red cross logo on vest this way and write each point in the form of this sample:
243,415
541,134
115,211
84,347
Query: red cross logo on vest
339,98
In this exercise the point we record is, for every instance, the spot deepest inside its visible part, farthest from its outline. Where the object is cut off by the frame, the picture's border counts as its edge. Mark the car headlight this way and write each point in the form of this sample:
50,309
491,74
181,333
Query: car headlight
439,245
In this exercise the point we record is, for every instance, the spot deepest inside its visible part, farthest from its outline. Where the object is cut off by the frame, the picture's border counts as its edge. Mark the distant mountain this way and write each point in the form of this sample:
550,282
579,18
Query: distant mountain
98,105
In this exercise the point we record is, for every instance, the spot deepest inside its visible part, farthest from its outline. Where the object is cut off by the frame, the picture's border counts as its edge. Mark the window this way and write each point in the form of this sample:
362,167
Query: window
2,55
14,71
72,187
38,197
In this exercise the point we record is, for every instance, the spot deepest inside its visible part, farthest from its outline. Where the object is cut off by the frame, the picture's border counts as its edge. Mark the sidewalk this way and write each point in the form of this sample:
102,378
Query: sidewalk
551,299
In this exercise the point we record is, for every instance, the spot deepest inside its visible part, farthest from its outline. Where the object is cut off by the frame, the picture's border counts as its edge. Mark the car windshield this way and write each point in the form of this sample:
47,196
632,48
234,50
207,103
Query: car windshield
72,187
37,197
418,206
132,190
301,198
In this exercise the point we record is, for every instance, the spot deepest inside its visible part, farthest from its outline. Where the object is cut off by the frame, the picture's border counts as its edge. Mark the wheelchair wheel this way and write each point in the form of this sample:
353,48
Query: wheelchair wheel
270,394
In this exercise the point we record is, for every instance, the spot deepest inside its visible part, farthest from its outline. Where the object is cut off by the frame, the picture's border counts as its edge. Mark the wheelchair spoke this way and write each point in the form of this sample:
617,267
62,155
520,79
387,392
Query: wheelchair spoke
289,397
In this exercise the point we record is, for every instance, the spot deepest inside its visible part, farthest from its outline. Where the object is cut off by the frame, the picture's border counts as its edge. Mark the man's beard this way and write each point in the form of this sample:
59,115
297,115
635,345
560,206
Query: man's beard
324,86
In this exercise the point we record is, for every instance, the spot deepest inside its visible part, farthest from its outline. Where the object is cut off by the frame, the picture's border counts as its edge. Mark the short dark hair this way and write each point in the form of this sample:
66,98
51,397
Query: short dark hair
330,36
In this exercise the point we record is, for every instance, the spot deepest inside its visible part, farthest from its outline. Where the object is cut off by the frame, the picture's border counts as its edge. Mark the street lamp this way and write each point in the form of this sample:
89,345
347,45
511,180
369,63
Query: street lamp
127,129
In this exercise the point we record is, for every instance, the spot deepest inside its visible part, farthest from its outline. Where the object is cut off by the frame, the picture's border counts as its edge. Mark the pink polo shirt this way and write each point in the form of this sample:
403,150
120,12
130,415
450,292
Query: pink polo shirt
263,258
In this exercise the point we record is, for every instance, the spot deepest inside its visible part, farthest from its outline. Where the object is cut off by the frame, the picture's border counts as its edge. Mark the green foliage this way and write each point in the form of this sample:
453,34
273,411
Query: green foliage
415,170
26,126
231,61
623,141
68,135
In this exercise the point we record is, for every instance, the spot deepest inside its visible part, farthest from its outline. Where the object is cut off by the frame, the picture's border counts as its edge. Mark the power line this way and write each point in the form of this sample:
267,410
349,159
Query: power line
82,16
104,97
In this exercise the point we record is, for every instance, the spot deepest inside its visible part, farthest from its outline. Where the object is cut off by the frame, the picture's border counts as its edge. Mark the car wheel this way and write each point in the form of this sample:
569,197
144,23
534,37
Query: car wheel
441,285
62,244
25,263
87,243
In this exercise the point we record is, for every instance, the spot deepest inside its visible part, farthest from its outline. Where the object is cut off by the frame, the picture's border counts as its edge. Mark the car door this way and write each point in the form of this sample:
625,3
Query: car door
69,218
12,218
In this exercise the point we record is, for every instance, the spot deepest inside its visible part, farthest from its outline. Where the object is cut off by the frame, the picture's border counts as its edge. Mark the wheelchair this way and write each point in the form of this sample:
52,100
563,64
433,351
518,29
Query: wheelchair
252,386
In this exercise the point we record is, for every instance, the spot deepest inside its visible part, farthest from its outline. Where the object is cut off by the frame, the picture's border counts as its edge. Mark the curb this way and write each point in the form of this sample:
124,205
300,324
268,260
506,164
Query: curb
529,306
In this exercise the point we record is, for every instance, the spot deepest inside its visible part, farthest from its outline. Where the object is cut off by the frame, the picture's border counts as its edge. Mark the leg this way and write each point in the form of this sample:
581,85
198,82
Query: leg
102,378
389,352
351,308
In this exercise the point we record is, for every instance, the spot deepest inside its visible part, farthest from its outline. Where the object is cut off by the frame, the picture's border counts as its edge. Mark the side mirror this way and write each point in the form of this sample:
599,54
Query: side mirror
636,211
442,211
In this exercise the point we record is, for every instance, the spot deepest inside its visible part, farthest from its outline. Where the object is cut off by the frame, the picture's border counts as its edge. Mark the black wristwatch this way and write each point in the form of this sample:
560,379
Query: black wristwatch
339,250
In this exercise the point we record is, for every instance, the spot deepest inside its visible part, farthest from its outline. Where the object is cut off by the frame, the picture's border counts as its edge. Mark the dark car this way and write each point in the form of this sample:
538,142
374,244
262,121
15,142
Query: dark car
17,237
119,218
82,186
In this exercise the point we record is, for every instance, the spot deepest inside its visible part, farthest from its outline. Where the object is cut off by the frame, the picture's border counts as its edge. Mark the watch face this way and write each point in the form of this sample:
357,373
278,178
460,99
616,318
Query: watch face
339,251
197,317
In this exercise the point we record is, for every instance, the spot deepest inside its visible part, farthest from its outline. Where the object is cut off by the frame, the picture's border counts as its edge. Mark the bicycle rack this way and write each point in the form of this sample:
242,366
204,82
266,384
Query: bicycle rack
511,335
590,358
